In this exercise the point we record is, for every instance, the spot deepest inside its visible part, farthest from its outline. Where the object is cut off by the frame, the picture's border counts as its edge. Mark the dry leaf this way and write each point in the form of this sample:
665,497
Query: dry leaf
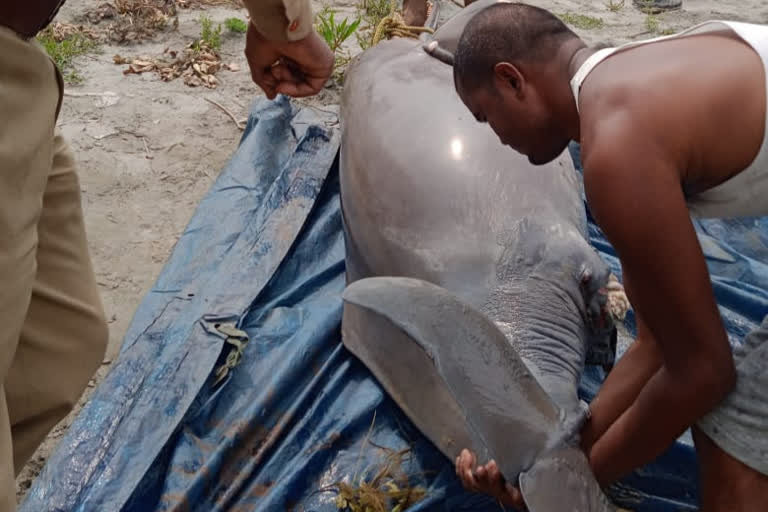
132,20
197,65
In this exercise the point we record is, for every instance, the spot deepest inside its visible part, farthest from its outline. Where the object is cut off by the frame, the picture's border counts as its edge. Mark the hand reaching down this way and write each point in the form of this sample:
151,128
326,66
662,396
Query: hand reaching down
294,68
487,480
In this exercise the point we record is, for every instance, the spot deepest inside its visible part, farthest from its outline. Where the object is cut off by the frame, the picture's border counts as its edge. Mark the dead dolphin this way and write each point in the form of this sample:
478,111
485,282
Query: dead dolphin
468,268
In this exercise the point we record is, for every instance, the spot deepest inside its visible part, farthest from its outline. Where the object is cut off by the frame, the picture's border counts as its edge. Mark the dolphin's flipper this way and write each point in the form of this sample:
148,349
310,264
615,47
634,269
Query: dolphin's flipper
505,410
408,376
563,480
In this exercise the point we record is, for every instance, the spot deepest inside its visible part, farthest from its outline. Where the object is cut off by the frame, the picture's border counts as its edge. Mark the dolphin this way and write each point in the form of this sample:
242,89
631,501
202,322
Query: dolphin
473,295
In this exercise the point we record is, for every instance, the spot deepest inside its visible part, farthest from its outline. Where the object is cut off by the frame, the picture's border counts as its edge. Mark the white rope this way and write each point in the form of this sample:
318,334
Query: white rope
616,302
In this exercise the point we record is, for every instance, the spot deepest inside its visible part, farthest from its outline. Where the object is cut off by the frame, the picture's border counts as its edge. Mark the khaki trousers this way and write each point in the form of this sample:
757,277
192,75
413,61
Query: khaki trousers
53,333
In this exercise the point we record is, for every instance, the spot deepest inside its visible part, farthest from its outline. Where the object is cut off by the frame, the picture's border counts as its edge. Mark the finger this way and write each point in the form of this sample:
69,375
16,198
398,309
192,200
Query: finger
508,494
472,459
463,463
461,466
464,459
481,477
515,497
493,470
466,463
269,92
495,478
494,482
294,82
297,89
469,481
269,88
265,80
299,73
283,73
269,79
467,476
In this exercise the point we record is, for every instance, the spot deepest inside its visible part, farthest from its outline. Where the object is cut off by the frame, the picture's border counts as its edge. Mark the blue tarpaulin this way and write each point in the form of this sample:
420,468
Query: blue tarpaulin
232,390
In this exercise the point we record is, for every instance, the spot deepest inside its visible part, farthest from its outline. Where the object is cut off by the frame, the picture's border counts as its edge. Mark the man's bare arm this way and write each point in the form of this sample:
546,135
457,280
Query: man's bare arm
622,386
635,195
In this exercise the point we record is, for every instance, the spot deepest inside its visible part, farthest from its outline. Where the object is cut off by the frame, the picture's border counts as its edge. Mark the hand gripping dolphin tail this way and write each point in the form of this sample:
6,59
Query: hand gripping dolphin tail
498,405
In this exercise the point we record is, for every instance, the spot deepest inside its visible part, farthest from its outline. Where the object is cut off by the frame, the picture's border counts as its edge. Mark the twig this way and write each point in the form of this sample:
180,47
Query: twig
304,103
146,148
131,132
633,36
101,137
89,94
380,447
226,111
365,441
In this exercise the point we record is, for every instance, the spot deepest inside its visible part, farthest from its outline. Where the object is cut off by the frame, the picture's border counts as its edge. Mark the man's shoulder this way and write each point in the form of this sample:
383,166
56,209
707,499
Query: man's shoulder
621,157
609,136
617,89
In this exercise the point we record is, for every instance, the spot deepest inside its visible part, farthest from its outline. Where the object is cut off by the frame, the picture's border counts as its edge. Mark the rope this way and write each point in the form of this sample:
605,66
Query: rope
617,302
238,339
393,25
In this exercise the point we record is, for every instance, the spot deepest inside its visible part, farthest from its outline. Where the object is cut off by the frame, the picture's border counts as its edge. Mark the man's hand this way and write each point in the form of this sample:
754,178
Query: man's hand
487,480
294,68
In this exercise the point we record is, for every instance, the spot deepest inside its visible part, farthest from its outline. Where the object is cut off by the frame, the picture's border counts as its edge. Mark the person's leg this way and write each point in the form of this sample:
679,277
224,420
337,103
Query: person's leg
732,440
64,337
29,96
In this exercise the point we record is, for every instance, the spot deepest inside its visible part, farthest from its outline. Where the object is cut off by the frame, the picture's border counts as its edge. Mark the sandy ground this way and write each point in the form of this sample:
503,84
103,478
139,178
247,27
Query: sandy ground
148,150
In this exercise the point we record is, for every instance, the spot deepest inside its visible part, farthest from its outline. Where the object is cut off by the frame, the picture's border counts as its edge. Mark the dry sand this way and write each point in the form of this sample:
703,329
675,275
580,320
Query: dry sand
149,150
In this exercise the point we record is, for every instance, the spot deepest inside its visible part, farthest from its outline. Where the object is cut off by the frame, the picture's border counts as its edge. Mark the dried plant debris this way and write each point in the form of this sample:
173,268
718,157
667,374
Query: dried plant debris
389,490
134,20
197,65
382,486
64,42
62,31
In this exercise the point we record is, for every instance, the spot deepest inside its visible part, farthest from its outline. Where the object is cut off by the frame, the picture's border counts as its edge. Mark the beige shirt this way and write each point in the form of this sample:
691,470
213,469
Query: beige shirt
281,20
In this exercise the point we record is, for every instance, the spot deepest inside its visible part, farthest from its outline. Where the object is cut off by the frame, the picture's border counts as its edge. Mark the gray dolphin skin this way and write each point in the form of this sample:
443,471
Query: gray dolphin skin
474,342
473,295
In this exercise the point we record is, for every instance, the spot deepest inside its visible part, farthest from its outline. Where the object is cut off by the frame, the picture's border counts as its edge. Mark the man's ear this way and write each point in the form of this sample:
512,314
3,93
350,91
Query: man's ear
508,76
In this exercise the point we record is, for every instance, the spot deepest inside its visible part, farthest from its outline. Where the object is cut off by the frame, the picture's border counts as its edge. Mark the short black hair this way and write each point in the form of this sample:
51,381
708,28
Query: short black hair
506,31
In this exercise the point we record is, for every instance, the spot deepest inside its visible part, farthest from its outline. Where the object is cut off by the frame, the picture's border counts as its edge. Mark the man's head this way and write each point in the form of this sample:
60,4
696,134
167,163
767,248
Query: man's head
504,67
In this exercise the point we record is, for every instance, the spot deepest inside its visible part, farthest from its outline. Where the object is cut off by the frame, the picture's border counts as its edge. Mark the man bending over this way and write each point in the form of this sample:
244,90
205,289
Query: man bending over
667,127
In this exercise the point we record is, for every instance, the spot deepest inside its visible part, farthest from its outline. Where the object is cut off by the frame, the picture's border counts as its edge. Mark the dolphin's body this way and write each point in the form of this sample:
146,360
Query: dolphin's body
474,294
